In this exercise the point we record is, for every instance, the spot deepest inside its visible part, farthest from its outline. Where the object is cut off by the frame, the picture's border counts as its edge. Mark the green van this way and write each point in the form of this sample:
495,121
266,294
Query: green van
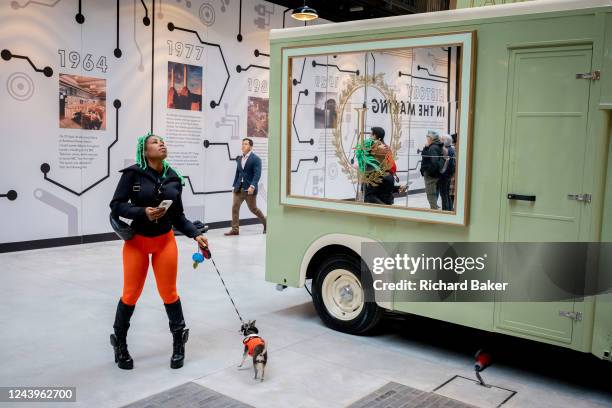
525,92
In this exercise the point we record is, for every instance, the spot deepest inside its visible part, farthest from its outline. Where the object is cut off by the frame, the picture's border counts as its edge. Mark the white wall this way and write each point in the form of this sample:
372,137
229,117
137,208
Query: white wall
30,104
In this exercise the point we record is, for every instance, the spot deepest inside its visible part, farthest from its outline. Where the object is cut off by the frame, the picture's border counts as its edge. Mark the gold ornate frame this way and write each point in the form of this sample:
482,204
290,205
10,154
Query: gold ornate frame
377,82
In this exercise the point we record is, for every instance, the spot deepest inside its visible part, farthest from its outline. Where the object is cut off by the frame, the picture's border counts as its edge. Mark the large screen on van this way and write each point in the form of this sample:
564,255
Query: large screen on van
379,127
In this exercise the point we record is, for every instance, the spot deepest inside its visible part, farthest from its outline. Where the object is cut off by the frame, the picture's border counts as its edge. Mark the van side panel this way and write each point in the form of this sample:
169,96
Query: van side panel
292,230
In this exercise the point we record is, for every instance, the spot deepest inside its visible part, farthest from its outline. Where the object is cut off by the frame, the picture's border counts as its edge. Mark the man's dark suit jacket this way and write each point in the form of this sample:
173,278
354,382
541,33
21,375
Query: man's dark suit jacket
249,175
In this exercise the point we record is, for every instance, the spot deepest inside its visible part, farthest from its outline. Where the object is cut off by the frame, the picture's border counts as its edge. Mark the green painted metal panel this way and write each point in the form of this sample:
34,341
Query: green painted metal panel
546,142
602,314
480,3
291,230
606,68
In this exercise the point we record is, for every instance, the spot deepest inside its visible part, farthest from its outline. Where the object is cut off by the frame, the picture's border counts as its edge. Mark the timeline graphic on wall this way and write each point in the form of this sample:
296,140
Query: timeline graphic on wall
79,96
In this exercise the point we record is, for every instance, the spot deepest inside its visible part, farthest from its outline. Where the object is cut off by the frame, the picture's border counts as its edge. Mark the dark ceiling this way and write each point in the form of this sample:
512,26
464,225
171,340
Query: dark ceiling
344,10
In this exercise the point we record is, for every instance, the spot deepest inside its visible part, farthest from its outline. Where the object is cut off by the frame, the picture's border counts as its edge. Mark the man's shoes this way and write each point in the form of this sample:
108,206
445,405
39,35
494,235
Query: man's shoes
265,229
232,232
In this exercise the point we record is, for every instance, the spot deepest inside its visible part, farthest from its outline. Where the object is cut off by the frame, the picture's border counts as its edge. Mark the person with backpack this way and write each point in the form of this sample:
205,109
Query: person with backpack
432,162
138,196
446,173
375,155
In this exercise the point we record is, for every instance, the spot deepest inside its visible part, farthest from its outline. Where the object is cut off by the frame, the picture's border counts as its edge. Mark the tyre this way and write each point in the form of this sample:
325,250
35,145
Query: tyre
339,298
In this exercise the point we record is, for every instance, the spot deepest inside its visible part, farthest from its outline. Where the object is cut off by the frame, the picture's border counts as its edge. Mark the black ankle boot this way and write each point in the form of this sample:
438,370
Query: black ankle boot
122,355
180,334
118,339
179,338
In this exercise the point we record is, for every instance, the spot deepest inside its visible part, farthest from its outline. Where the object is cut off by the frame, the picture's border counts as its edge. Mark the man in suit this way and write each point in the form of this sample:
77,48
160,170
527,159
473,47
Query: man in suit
248,172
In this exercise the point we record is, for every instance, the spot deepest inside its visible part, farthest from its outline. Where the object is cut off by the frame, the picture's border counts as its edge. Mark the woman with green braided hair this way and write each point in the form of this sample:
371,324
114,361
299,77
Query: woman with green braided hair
140,191
373,155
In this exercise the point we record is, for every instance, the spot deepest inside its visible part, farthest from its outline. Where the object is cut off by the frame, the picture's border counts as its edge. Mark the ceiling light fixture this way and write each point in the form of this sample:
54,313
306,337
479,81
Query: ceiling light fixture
304,13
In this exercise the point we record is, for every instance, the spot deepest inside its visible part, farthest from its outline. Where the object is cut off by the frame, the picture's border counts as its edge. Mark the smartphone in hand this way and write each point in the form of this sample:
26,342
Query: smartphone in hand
165,204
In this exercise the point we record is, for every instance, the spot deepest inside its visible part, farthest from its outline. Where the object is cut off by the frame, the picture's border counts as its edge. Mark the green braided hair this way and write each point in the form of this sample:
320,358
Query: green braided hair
363,154
141,159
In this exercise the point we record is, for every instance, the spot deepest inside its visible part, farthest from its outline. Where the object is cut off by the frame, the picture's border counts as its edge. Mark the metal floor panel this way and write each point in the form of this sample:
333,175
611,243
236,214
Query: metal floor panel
394,395
188,395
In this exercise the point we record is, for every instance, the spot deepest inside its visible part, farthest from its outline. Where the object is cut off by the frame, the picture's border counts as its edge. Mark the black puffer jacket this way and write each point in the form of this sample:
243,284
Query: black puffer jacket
138,189
432,160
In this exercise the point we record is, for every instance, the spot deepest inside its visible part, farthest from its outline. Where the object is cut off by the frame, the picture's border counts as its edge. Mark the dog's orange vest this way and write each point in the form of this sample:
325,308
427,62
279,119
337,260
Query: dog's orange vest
252,342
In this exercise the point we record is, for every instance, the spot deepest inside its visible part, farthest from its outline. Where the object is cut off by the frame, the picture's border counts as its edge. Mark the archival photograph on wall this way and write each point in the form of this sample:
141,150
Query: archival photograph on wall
184,86
257,117
82,102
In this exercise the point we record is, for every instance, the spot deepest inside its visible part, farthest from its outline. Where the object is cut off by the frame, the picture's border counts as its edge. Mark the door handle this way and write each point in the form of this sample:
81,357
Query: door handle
512,196
580,197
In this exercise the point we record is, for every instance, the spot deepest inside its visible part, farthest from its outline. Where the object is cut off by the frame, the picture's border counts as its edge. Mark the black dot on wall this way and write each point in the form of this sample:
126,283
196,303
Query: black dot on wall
306,92
357,72
256,53
146,21
295,82
117,53
6,55
170,27
117,103
239,37
314,63
316,159
213,104
312,142
80,18
238,68
206,143
48,71
45,168
11,195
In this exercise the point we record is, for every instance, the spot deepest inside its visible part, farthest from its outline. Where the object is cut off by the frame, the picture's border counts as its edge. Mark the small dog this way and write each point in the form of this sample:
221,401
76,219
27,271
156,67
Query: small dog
254,346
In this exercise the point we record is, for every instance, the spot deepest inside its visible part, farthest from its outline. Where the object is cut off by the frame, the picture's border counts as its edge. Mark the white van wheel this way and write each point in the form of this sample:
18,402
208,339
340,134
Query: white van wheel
342,294
339,296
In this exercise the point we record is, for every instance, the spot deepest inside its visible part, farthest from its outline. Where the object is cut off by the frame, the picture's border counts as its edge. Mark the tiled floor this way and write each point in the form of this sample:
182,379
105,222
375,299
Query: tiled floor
58,306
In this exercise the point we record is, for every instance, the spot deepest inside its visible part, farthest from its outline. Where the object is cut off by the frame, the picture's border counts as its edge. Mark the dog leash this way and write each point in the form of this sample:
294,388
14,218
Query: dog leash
198,258
227,291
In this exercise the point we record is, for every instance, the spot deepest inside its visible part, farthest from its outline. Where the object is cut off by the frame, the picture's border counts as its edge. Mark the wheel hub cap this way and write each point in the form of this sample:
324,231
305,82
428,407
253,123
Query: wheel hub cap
342,294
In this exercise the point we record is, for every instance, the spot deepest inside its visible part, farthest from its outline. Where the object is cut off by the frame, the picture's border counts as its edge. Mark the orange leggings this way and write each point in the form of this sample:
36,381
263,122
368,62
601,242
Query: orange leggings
136,265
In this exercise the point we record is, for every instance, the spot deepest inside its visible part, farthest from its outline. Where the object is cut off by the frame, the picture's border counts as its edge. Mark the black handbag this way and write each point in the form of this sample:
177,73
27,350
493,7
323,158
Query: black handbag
121,228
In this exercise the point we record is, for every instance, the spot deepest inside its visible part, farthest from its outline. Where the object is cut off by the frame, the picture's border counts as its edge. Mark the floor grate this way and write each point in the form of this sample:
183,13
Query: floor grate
188,395
394,395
